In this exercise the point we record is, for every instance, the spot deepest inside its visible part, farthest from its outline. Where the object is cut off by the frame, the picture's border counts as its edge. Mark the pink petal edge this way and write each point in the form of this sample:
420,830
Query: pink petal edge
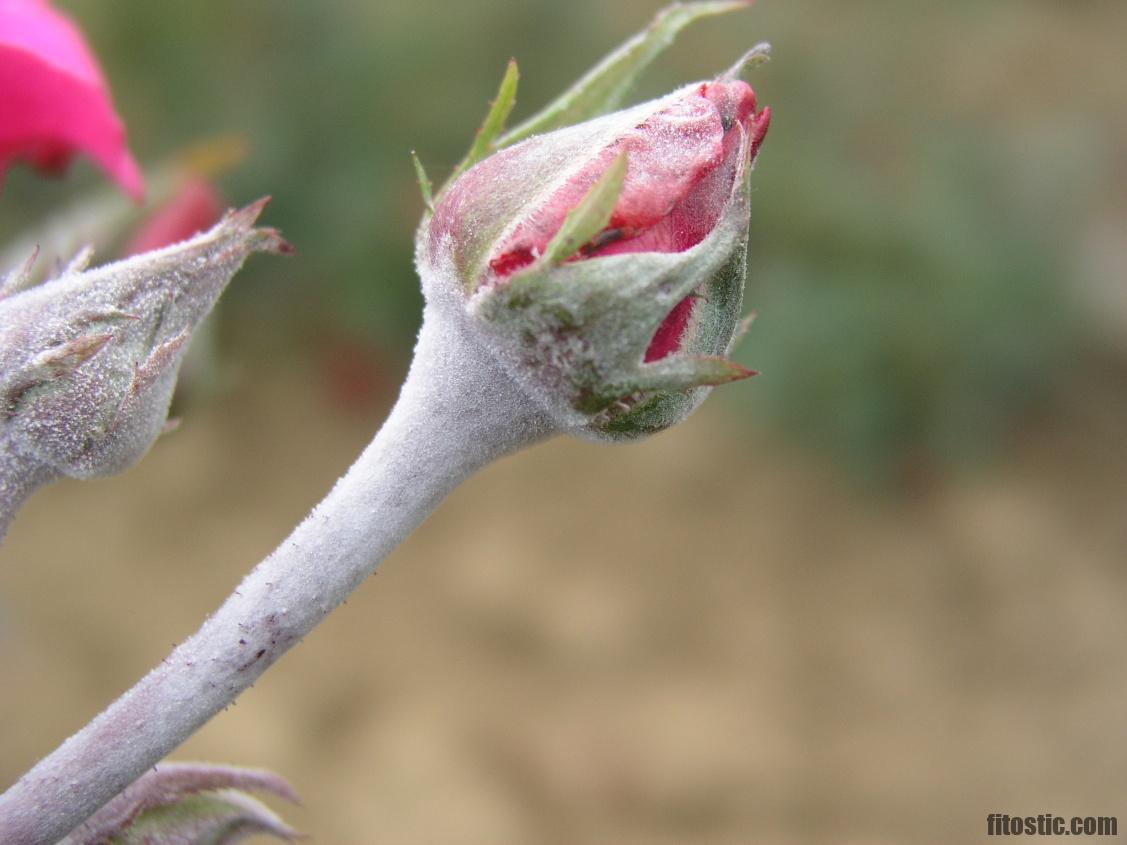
54,102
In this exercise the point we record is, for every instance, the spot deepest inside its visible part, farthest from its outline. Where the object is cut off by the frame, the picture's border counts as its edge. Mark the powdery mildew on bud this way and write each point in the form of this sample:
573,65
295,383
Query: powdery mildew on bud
624,337
88,360
561,345
481,210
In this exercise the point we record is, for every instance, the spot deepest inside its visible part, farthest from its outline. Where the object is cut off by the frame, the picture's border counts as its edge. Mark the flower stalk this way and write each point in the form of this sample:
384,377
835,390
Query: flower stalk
456,413
586,280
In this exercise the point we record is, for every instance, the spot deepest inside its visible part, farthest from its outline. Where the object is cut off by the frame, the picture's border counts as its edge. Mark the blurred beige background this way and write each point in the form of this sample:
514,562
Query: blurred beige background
869,597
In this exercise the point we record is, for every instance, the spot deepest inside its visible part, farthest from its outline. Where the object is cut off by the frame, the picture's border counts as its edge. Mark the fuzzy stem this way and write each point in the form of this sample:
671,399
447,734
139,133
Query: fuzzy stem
455,413
20,476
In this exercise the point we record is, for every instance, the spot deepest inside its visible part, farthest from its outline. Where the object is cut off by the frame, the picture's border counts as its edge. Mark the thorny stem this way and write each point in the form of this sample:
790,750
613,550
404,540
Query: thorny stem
455,413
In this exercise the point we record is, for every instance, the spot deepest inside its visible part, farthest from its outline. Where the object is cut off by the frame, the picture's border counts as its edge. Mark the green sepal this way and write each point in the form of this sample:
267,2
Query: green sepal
49,368
675,374
590,216
424,183
61,360
189,804
682,372
666,395
757,55
79,261
208,818
594,319
603,88
20,278
584,326
494,123
616,301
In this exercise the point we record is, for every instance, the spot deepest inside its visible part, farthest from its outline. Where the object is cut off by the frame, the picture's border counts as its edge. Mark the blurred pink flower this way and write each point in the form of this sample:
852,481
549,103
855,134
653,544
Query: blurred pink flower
195,207
54,101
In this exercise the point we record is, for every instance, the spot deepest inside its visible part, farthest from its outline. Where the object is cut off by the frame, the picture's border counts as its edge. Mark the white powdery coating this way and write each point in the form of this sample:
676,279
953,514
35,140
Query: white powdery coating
616,301
485,211
88,361
457,411
575,335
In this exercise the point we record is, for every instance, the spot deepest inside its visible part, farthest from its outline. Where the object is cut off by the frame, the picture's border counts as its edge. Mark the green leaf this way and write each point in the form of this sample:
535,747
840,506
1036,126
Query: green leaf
588,218
603,88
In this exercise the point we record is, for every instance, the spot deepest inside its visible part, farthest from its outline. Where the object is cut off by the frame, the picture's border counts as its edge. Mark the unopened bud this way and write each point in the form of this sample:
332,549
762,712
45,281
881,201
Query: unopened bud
604,262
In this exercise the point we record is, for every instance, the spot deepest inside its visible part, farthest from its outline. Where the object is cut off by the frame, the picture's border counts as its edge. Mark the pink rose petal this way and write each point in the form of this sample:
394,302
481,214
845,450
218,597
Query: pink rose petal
673,194
54,102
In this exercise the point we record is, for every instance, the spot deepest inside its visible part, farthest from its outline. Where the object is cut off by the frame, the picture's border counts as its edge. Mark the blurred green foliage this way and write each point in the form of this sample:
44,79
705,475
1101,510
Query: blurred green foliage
929,172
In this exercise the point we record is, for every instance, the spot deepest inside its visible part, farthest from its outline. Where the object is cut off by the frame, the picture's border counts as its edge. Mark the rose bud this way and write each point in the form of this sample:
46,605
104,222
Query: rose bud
89,359
54,101
604,262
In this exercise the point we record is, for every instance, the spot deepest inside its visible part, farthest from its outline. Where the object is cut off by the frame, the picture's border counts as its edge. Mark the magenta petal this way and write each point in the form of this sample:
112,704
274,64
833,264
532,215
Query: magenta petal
667,338
54,102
